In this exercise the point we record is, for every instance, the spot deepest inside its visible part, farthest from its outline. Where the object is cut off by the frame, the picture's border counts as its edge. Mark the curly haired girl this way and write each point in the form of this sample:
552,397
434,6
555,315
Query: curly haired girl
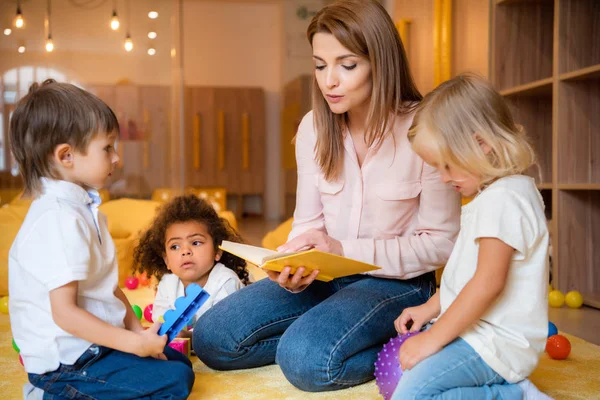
182,247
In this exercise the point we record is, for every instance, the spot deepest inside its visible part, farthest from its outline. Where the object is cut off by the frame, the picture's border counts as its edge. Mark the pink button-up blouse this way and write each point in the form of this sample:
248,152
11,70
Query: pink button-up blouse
394,211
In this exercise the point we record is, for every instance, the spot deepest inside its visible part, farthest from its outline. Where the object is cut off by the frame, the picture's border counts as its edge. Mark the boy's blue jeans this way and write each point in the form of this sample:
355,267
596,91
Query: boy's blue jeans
455,372
103,373
325,338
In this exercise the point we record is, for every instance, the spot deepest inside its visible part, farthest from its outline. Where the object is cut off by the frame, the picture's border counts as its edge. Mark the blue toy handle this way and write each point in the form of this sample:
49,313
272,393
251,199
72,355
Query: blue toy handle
185,308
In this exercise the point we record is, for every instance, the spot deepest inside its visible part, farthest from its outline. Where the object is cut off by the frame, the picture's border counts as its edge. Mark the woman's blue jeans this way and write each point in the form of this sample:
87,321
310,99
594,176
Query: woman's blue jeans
324,338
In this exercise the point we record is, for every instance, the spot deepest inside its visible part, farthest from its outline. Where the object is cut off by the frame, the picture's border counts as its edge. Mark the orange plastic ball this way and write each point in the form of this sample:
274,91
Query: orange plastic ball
144,280
558,347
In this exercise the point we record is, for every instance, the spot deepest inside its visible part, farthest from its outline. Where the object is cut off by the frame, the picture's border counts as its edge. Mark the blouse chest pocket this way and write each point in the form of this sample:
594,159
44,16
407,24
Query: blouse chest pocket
398,191
329,188
331,199
395,205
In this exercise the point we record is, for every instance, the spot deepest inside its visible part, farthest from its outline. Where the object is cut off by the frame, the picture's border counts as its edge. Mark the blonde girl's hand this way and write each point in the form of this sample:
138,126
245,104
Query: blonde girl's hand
417,348
419,316
150,344
296,283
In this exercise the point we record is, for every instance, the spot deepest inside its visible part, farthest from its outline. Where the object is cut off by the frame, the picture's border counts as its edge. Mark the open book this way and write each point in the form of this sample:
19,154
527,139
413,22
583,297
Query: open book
330,266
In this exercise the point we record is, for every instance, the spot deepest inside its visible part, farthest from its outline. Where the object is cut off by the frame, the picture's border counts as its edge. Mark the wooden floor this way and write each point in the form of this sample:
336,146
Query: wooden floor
583,322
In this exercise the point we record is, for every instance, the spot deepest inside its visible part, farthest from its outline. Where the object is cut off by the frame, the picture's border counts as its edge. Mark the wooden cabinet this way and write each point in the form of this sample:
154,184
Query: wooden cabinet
225,141
296,103
144,145
545,59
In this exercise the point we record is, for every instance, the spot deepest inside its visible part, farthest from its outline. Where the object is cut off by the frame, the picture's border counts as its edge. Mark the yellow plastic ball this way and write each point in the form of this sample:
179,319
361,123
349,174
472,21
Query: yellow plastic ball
574,299
556,298
4,305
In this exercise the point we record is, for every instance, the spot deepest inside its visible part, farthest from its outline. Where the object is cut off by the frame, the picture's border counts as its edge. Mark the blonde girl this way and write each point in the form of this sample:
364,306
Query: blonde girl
491,311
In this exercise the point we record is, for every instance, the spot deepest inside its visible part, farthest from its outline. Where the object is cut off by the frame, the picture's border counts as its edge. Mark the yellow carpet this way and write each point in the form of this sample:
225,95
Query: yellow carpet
577,377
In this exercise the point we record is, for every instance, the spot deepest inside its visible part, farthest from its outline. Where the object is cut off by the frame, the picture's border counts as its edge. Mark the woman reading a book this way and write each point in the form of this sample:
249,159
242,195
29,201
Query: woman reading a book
362,194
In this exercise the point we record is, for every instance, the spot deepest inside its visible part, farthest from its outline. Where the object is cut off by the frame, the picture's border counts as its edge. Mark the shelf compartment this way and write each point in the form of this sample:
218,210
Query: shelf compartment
523,37
535,115
579,35
578,232
578,139
547,196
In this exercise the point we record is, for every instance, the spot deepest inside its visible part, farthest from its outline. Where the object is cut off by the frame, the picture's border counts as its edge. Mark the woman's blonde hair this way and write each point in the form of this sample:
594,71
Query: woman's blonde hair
365,28
455,117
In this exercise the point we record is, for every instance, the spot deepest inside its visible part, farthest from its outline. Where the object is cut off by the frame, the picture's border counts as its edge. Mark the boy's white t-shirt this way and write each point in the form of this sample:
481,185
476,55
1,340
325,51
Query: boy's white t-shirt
64,238
221,282
512,333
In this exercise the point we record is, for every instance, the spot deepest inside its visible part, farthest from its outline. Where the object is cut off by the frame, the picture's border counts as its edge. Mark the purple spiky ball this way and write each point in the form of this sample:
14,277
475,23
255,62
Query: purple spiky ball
387,366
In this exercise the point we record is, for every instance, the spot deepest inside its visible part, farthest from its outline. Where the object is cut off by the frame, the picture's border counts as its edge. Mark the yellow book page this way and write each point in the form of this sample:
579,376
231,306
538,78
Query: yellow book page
330,266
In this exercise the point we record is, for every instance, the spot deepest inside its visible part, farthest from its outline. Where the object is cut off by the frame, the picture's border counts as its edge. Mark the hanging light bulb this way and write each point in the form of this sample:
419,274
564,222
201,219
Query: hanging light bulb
152,15
7,31
152,35
114,21
21,49
151,51
48,24
128,43
19,21
49,44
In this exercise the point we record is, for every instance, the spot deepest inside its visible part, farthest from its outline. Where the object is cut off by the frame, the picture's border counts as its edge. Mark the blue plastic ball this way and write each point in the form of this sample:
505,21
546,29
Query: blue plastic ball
552,329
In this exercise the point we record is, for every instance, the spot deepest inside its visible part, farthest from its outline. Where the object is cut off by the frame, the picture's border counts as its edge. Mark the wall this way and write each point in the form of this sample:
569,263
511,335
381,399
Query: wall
470,24
420,43
239,44
470,36
297,56
86,49
93,68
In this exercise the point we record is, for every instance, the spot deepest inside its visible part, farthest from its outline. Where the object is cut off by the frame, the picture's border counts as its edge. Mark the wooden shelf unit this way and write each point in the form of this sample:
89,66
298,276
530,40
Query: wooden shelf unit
545,60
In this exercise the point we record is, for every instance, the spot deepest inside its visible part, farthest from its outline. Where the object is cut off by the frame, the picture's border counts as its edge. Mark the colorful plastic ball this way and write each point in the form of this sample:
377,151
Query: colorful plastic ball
574,299
148,312
131,282
21,360
4,305
144,280
15,346
387,366
552,329
556,298
137,310
558,347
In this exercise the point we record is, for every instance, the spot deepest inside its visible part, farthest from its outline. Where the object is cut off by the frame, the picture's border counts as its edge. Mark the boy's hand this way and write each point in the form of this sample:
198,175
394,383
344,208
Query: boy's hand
417,348
419,316
150,343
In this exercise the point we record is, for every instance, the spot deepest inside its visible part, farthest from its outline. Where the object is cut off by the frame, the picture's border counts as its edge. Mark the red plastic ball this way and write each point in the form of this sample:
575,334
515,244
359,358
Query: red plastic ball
558,347
148,312
21,360
131,282
144,280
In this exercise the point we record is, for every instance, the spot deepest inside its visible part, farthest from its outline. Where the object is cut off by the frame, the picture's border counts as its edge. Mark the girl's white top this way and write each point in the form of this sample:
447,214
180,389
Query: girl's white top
511,334
221,282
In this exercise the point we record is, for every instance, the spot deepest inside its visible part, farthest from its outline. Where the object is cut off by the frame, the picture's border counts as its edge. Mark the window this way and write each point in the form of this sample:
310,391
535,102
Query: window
15,84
